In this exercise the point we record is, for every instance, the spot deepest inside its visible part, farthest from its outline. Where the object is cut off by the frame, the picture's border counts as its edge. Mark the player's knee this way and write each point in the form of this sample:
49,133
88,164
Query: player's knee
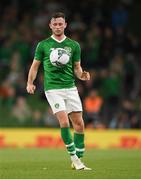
64,124
79,126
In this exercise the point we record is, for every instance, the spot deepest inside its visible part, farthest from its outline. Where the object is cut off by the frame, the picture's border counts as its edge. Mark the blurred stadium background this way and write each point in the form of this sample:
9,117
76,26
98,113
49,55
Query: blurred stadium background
110,36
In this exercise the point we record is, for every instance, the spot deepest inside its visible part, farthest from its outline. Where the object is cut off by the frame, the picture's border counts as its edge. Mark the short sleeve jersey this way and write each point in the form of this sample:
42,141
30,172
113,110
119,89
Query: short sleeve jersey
58,77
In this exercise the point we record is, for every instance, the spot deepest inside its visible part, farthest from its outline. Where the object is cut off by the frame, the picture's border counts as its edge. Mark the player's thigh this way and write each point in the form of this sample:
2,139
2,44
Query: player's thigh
56,101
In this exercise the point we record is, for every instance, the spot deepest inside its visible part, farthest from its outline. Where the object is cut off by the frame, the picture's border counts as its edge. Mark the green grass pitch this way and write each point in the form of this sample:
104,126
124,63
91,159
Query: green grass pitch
55,164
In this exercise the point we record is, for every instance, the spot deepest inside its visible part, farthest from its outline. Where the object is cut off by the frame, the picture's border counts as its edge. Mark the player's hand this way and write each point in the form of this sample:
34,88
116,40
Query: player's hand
85,76
30,88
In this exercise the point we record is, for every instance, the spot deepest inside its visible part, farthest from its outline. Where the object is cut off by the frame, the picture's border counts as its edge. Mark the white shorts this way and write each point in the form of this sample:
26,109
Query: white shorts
64,100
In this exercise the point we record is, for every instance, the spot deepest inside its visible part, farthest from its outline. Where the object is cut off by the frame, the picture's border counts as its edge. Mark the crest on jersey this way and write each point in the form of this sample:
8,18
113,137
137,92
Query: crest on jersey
56,105
68,49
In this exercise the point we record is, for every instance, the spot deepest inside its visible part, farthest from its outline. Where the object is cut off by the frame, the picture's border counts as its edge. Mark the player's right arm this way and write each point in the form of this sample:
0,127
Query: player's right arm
32,76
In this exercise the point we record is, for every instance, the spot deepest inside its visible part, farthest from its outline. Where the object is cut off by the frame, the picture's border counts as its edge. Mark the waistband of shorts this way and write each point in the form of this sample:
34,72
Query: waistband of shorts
62,90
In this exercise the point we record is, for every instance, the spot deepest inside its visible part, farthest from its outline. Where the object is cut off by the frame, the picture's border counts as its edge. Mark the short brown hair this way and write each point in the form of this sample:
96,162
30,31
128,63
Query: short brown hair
58,15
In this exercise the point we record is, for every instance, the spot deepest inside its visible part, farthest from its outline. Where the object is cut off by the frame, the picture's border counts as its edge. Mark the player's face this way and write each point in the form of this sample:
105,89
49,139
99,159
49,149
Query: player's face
58,26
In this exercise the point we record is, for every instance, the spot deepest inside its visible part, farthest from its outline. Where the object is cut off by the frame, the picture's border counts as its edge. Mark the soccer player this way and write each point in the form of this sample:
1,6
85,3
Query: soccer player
59,85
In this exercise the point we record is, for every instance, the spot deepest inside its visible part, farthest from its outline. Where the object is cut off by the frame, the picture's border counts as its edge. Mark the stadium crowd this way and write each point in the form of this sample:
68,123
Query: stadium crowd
110,51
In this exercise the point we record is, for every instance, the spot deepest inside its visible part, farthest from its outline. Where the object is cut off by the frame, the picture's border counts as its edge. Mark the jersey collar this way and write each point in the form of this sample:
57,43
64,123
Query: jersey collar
57,39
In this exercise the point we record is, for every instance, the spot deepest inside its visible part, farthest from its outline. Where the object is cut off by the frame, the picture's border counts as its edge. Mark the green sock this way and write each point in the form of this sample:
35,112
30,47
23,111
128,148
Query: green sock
79,144
67,138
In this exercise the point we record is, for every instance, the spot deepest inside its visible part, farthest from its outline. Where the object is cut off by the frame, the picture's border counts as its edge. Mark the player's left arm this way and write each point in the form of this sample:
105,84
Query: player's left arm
80,74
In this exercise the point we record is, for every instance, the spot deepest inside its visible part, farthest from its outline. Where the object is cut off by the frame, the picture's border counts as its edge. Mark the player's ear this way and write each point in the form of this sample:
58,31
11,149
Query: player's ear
49,25
66,25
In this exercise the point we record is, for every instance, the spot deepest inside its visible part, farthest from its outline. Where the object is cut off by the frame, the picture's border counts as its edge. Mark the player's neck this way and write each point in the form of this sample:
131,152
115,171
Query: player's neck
59,38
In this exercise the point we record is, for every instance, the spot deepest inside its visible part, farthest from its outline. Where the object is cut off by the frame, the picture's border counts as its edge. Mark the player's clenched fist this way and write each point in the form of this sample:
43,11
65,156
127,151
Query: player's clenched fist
30,88
85,76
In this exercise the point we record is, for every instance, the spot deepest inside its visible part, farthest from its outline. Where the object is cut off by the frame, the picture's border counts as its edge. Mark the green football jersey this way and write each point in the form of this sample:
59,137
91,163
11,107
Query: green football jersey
58,77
